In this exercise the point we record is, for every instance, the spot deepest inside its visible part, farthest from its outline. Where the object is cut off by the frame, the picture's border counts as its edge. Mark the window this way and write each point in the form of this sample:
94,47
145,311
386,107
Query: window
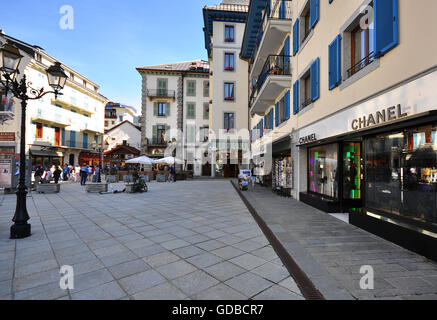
39,131
206,89
160,134
229,33
84,83
268,120
120,118
191,111
38,57
305,24
229,91
401,174
161,109
323,170
162,87
73,139
363,41
229,121
282,109
206,111
85,140
106,123
306,90
191,88
229,61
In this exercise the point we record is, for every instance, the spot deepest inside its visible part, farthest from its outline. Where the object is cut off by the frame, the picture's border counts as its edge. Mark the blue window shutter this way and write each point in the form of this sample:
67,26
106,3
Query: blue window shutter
277,114
287,105
287,54
386,24
335,63
261,129
330,1
296,97
296,37
314,13
315,87
63,136
282,10
85,140
271,118
338,63
265,120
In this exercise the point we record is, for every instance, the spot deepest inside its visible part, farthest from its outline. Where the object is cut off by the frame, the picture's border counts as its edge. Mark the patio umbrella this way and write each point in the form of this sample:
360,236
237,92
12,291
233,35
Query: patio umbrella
141,160
169,160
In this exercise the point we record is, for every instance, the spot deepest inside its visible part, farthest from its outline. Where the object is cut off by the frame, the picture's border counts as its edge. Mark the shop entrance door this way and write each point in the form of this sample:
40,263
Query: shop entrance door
353,171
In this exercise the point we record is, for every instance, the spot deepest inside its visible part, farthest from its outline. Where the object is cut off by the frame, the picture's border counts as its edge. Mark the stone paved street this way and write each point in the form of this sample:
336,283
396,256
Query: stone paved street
331,252
188,240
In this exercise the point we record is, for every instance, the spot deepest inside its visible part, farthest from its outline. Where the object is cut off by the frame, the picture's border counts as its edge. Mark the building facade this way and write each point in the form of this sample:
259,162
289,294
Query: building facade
355,80
116,113
68,129
124,133
175,111
224,26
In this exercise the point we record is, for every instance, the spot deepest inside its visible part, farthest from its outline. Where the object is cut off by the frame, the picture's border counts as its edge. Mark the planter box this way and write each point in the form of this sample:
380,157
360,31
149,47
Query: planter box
97,187
112,179
130,188
161,178
48,188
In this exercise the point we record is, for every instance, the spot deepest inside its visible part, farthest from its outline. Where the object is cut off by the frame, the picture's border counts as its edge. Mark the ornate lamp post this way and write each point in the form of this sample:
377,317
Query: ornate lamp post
10,59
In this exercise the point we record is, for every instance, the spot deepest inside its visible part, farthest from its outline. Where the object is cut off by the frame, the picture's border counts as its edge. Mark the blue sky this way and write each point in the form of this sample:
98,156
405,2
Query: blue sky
110,38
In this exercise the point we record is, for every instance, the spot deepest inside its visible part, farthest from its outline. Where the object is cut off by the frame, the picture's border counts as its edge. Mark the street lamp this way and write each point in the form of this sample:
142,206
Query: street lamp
99,149
10,59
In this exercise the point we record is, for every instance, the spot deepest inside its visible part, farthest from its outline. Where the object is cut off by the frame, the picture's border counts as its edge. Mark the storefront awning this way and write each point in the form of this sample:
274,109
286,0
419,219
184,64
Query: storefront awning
44,153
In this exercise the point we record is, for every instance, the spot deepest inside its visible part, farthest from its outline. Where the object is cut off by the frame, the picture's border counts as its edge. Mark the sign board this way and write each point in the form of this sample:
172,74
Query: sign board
7,136
5,173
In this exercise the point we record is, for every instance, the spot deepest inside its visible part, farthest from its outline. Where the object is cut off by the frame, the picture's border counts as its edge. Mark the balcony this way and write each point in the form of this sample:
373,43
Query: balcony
274,77
276,25
72,104
161,93
52,115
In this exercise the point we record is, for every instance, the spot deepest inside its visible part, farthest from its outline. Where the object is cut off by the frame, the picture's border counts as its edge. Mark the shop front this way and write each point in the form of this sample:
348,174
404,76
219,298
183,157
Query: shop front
89,158
45,156
281,177
378,161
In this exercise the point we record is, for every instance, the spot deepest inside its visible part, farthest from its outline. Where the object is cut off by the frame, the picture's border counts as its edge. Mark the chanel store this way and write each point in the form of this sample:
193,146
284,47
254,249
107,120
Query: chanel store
378,162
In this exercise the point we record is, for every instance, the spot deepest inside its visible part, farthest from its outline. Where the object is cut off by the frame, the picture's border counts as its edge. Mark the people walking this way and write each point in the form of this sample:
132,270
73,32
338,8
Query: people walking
83,175
66,172
57,174
49,175
172,174
38,174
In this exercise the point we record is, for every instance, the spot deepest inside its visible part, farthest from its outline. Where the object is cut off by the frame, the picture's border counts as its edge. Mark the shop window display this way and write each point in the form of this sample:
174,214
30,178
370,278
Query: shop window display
352,170
323,170
283,173
401,174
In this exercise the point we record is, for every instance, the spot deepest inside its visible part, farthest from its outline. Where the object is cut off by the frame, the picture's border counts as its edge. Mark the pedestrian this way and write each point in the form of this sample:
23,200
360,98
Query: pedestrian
38,174
77,175
57,174
83,175
49,175
66,172
173,173
90,172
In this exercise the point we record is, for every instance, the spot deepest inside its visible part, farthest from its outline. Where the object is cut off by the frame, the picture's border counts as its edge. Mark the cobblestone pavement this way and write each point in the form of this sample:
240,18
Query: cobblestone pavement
188,240
332,252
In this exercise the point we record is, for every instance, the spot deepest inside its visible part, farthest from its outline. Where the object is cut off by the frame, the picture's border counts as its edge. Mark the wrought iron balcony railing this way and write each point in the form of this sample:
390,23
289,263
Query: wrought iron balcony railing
361,65
161,93
275,65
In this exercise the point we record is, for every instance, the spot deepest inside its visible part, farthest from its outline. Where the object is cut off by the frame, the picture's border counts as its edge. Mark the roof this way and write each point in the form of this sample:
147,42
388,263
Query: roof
227,10
231,5
253,24
123,147
121,123
111,105
186,66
